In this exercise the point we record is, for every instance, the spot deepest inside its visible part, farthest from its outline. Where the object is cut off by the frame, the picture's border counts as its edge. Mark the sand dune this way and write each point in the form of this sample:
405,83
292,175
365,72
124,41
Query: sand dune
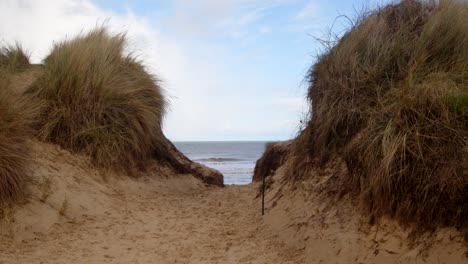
328,231
75,214
160,217
132,197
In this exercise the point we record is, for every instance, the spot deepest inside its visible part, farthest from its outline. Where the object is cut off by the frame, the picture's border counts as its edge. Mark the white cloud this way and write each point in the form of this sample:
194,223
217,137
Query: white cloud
37,25
215,17
309,11
297,104
265,29
196,82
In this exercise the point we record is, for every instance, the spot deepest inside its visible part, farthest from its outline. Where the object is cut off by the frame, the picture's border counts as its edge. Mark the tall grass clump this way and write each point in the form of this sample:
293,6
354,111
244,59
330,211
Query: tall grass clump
13,58
390,99
100,102
14,148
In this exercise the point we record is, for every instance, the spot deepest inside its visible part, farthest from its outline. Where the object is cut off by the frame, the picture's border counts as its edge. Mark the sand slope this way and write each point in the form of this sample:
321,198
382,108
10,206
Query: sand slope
331,231
158,218
80,215
75,214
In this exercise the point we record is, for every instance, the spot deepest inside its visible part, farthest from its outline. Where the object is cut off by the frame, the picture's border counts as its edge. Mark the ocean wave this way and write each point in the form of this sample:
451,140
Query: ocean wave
219,160
236,171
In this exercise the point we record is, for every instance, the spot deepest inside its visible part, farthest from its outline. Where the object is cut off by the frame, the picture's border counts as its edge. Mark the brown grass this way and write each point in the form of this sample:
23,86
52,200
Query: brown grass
390,98
13,58
14,147
273,157
100,102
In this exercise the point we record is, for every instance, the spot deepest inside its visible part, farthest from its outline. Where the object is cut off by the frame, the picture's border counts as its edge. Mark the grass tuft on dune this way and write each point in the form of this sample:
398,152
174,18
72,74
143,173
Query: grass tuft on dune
390,99
15,130
98,101
13,58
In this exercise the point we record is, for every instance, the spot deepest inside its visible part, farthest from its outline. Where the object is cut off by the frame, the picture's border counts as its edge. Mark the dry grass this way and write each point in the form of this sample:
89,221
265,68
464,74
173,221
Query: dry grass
14,148
273,157
13,58
390,98
100,102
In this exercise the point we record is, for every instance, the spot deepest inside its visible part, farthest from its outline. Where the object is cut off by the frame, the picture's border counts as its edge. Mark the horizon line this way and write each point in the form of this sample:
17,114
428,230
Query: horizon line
208,141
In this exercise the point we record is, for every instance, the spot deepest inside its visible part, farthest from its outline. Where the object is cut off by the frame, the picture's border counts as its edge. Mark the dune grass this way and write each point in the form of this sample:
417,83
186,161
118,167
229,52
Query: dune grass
390,99
100,102
15,129
274,156
13,58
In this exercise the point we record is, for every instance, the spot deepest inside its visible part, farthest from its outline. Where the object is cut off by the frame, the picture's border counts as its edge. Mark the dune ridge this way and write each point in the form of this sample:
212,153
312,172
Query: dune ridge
389,100
378,173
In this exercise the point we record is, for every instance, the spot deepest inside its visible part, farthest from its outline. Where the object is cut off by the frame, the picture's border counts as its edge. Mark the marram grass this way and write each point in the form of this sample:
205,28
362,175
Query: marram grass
390,100
98,101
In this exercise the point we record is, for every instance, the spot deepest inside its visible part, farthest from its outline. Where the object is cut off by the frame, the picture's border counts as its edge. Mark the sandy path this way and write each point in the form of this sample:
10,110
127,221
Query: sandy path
151,223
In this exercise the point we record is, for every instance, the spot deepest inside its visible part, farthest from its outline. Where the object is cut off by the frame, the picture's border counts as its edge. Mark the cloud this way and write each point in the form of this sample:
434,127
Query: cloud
296,104
209,100
264,29
213,17
38,25
309,11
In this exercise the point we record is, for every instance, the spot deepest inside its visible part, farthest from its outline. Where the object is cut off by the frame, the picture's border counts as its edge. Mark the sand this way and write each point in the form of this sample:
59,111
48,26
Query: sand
305,217
76,214
158,218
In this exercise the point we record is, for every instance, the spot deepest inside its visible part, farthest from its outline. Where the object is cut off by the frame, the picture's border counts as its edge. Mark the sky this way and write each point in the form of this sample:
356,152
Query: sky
231,69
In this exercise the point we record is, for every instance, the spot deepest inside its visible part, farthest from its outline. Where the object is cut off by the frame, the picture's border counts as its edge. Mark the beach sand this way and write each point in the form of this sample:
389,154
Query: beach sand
158,218
331,230
76,214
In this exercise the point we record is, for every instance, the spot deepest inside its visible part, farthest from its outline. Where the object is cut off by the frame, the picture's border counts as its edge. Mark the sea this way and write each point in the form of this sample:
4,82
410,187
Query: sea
235,160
